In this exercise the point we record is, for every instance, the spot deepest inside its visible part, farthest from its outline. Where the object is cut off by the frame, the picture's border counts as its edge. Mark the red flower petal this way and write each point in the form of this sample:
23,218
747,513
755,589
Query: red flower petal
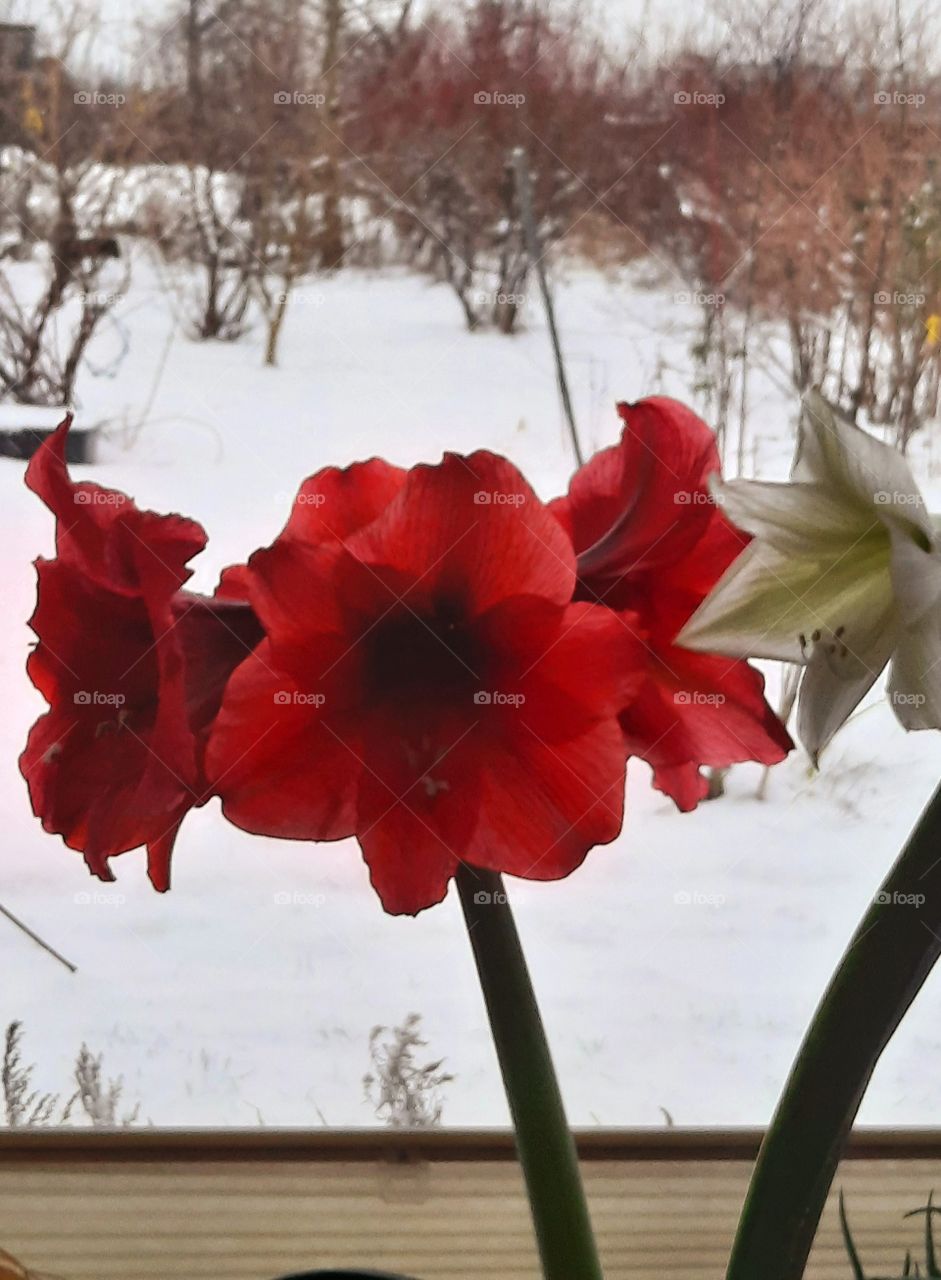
295,590
133,670
553,776
103,533
567,671
683,783
334,503
417,803
676,591
235,583
437,640
329,507
544,806
278,767
215,636
652,543
645,502
112,765
701,710
410,862
473,529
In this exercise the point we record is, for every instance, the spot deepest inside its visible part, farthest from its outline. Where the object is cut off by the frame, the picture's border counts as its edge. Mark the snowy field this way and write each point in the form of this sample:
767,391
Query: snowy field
676,969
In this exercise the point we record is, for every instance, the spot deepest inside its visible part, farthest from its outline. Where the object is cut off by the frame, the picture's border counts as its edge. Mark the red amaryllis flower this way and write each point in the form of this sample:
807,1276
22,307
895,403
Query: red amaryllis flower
651,541
426,683
133,669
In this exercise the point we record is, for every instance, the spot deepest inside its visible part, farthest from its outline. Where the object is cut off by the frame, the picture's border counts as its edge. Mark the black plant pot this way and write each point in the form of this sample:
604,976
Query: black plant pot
344,1275
22,443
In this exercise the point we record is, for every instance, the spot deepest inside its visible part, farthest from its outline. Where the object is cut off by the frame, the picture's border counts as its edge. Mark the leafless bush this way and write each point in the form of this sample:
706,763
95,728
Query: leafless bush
403,1093
444,97
803,191
63,193
42,343
286,232
244,111
211,263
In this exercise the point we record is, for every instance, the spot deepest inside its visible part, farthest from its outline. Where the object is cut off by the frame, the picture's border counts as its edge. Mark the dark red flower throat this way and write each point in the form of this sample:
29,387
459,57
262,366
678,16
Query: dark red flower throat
425,656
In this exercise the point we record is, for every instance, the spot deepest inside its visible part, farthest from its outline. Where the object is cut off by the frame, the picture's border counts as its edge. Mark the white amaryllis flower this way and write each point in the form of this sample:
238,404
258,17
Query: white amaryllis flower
843,575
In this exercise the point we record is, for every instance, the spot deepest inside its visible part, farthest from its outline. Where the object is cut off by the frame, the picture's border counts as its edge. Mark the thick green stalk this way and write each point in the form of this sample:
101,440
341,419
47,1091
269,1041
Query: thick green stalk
544,1141
891,954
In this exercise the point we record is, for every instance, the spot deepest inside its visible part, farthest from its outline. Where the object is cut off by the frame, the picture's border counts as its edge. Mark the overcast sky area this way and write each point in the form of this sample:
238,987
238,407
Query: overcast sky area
707,22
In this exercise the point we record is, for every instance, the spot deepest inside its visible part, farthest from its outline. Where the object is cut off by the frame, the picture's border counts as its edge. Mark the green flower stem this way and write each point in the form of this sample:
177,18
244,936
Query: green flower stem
891,954
544,1141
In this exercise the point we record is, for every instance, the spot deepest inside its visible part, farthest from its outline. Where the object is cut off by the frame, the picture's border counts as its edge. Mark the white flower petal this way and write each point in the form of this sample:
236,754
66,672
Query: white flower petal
769,605
916,577
858,468
915,678
794,518
837,677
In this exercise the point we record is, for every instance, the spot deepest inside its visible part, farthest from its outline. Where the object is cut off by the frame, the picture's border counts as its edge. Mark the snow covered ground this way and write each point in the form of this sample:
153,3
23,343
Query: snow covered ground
676,969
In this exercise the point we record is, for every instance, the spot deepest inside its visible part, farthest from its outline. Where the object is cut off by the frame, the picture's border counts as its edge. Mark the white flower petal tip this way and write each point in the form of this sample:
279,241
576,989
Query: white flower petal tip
868,473
841,669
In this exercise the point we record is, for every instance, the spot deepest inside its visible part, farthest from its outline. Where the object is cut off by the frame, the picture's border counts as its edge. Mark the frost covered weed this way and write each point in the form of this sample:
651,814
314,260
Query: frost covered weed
404,1094
94,1098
